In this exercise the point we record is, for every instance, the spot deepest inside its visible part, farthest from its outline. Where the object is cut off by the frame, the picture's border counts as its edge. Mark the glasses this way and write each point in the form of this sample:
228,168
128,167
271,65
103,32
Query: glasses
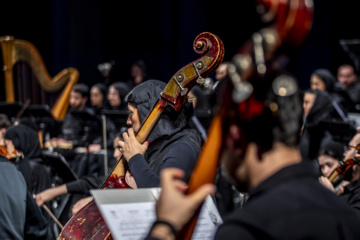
348,147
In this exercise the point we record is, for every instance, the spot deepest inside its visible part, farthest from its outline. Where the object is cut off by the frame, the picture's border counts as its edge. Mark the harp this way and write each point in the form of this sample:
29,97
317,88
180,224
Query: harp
17,50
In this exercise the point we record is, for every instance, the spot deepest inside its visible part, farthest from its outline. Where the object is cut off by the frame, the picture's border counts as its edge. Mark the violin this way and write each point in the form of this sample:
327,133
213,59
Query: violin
88,222
288,21
343,171
9,155
3,151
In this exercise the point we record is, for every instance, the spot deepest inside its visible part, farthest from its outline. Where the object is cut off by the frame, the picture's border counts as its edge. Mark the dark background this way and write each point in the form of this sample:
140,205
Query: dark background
84,33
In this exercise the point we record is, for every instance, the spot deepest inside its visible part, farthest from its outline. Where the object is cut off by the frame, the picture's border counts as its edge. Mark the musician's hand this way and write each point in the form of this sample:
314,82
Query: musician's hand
80,204
48,194
130,146
173,205
341,187
130,180
326,183
94,148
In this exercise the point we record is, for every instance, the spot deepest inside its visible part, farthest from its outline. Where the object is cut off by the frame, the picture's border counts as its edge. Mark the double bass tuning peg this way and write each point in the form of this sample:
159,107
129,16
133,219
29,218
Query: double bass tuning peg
198,66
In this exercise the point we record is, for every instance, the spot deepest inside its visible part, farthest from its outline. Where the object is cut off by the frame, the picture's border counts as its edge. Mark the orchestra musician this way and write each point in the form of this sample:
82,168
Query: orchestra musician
350,186
20,218
261,157
171,143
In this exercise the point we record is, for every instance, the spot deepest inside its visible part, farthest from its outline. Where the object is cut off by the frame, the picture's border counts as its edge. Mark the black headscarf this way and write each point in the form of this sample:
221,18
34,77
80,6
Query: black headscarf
327,77
123,89
321,109
314,135
334,149
24,139
172,126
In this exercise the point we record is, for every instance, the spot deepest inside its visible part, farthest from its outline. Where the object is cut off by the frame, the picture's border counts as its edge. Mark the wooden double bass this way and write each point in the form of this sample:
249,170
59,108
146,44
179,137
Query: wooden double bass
88,222
289,21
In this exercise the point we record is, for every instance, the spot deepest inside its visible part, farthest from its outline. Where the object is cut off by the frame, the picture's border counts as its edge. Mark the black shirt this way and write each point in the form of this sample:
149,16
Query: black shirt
292,204
352,194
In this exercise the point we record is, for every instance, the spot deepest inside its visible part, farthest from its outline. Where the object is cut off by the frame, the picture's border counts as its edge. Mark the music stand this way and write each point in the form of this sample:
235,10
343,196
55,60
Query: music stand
340,130
352,48
60,168
61,173
90,122
118,117
42,116
10,109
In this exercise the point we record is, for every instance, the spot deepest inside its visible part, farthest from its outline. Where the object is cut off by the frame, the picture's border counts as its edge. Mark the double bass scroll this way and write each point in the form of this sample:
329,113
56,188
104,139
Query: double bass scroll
15,50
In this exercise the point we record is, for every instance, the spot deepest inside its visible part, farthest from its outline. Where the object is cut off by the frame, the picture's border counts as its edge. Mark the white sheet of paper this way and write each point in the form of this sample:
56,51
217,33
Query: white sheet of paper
129,214
129,220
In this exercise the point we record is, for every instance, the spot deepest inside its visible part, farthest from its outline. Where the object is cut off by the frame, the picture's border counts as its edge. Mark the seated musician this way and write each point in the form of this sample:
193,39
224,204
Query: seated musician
81,186
20,218
79,129
171,143
261,156
349,189
72,127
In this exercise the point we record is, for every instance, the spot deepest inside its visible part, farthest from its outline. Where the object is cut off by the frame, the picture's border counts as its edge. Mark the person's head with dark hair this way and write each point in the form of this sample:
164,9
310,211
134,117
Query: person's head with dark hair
138,73
329,157
323,80
201,101
23,138
221,71
346,75
98,95
258,126
79,96
4,121
317,105
116,94
141,101
4,124
138,68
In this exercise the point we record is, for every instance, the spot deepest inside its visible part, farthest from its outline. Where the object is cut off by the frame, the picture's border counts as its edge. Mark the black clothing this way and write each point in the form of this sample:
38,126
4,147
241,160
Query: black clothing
84,184
80,127
123,89
352,194
147,174
353,91
340,98
291,204
169,141
32,165
314,135
20,218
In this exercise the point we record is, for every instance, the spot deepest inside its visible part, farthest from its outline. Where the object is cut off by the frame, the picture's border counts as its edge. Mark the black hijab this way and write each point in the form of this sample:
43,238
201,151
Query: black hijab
327,77
25,139
123,89
172,126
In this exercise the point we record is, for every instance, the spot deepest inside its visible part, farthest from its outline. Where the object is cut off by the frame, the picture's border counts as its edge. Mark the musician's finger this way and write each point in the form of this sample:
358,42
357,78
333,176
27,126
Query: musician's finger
180,185
125,135
131,132
121,144
169,176
200,194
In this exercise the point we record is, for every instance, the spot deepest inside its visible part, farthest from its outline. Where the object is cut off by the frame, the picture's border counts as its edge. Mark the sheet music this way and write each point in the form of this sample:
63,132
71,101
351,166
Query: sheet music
129,214
130,221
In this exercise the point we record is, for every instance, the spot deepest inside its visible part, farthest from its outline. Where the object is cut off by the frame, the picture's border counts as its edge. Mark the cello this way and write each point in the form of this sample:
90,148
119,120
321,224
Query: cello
88,222
289,22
